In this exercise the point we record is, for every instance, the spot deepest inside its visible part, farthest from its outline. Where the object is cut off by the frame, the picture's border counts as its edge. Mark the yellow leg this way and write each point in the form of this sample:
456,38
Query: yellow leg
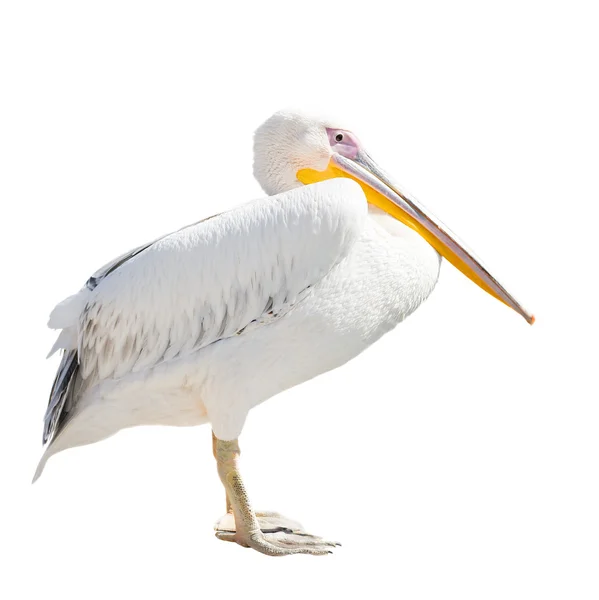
269,533
229,507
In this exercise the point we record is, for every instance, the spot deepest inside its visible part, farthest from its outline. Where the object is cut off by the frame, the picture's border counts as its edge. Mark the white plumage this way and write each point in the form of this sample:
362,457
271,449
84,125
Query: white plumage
292,286
209,281
207,322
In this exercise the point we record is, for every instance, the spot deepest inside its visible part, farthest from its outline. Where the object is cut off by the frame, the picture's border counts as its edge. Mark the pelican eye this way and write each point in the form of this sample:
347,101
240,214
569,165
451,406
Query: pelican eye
339,137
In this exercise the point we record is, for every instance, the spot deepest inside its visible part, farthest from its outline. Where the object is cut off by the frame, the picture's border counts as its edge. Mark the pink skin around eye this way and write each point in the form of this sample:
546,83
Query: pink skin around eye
349,146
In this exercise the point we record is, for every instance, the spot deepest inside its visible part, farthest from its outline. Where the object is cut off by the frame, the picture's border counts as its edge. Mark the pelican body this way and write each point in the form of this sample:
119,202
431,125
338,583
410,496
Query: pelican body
205,323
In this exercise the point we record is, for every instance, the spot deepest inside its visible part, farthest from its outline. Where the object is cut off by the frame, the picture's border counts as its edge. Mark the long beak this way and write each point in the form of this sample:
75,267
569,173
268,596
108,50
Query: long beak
381,192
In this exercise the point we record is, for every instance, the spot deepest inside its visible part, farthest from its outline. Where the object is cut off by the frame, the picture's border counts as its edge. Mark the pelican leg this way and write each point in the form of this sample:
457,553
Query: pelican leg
229,507
266,532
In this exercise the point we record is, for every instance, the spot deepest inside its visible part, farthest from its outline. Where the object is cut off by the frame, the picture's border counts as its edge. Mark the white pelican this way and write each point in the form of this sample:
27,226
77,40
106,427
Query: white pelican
205,323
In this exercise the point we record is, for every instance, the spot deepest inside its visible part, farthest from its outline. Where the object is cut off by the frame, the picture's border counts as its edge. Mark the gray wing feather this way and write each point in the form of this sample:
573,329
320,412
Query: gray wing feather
60,402
62,396
113,265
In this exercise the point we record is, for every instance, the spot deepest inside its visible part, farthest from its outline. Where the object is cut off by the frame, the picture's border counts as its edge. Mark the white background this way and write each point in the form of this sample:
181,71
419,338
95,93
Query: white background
457,458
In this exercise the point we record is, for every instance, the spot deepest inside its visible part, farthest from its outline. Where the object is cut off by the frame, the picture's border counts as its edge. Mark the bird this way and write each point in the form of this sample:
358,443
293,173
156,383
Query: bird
205,323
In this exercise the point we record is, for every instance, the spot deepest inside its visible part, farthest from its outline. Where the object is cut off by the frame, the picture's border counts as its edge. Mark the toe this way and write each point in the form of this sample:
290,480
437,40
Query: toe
225,536
302,540
275,546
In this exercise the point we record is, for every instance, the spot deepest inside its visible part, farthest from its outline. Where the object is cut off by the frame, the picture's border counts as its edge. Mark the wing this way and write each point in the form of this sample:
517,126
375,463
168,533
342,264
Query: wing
204,283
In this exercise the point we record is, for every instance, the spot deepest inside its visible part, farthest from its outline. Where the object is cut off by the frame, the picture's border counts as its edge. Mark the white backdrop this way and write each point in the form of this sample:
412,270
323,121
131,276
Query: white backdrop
457,458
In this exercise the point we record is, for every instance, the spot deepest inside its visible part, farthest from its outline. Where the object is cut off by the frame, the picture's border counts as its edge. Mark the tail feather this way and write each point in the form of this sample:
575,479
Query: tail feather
42,463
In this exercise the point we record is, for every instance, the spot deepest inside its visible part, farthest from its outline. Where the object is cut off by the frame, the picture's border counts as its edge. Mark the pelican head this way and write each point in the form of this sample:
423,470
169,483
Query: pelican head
291,149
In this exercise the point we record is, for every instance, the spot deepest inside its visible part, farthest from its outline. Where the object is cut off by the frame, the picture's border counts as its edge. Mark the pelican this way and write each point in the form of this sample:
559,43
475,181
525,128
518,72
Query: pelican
203,324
